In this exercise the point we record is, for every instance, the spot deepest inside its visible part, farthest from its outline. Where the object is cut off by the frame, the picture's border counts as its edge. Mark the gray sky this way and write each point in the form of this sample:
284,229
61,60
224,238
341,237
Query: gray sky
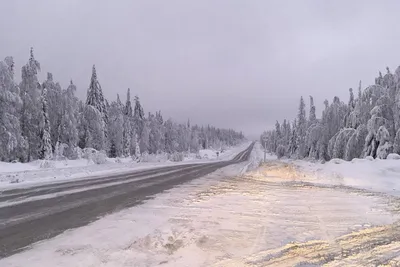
239,64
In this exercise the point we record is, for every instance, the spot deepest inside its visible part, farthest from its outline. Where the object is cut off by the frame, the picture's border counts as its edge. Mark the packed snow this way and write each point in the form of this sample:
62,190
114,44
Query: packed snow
31,173
279,214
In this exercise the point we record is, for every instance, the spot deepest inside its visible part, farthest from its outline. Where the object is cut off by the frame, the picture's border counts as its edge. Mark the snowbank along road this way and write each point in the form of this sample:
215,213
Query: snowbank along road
32,214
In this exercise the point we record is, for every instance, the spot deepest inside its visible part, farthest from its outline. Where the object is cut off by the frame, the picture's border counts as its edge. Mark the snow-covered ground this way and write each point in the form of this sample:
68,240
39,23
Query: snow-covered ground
24,174
371,174
279,214
108,241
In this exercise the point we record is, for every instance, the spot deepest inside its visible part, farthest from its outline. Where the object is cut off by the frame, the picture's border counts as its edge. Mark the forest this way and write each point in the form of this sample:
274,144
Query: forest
368,125
42,120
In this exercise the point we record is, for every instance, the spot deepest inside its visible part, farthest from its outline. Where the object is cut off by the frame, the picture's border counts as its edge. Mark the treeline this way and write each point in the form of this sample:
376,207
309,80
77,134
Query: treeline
41,120
367,125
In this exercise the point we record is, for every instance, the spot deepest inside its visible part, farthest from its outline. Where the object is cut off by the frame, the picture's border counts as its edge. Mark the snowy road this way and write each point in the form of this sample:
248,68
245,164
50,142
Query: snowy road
41,212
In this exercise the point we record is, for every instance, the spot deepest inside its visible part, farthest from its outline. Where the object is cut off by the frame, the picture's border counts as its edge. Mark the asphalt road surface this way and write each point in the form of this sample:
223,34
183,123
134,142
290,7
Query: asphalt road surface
36,213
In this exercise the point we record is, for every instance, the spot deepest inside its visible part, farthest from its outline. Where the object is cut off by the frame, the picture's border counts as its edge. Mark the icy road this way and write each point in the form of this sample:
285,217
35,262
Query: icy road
41,212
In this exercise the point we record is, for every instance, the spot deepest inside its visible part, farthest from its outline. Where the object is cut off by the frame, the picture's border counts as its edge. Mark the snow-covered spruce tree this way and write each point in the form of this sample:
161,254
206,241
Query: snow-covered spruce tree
396,99
155,135
339,143
385,146
68,134
301,129
188,136
127,127
145,137
278,136
312,117
115,124
396,143
313,132
170,137
55,104
286,134
350,109
95,115
12,144
293,145
335,117
389,83
194,139
45,151
376,97
95,96
30,93
138,124
355,144
323,140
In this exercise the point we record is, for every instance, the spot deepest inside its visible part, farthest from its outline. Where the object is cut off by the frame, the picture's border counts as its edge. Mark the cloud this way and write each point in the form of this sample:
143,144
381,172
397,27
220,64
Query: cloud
237,64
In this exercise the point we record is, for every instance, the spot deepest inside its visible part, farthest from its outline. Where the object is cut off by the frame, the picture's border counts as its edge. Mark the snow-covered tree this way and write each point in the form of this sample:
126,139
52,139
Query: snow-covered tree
385,147
138,124
293,143
127,127
68,134
145,138
55,105
396,143
312,117
368,125
115,126
46,150
355,144
95,115
41,119
30,91
339,143
301,129
12,144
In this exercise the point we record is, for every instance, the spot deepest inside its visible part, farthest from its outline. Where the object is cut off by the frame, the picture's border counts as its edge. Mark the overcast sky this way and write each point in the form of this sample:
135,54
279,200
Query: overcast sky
238,64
